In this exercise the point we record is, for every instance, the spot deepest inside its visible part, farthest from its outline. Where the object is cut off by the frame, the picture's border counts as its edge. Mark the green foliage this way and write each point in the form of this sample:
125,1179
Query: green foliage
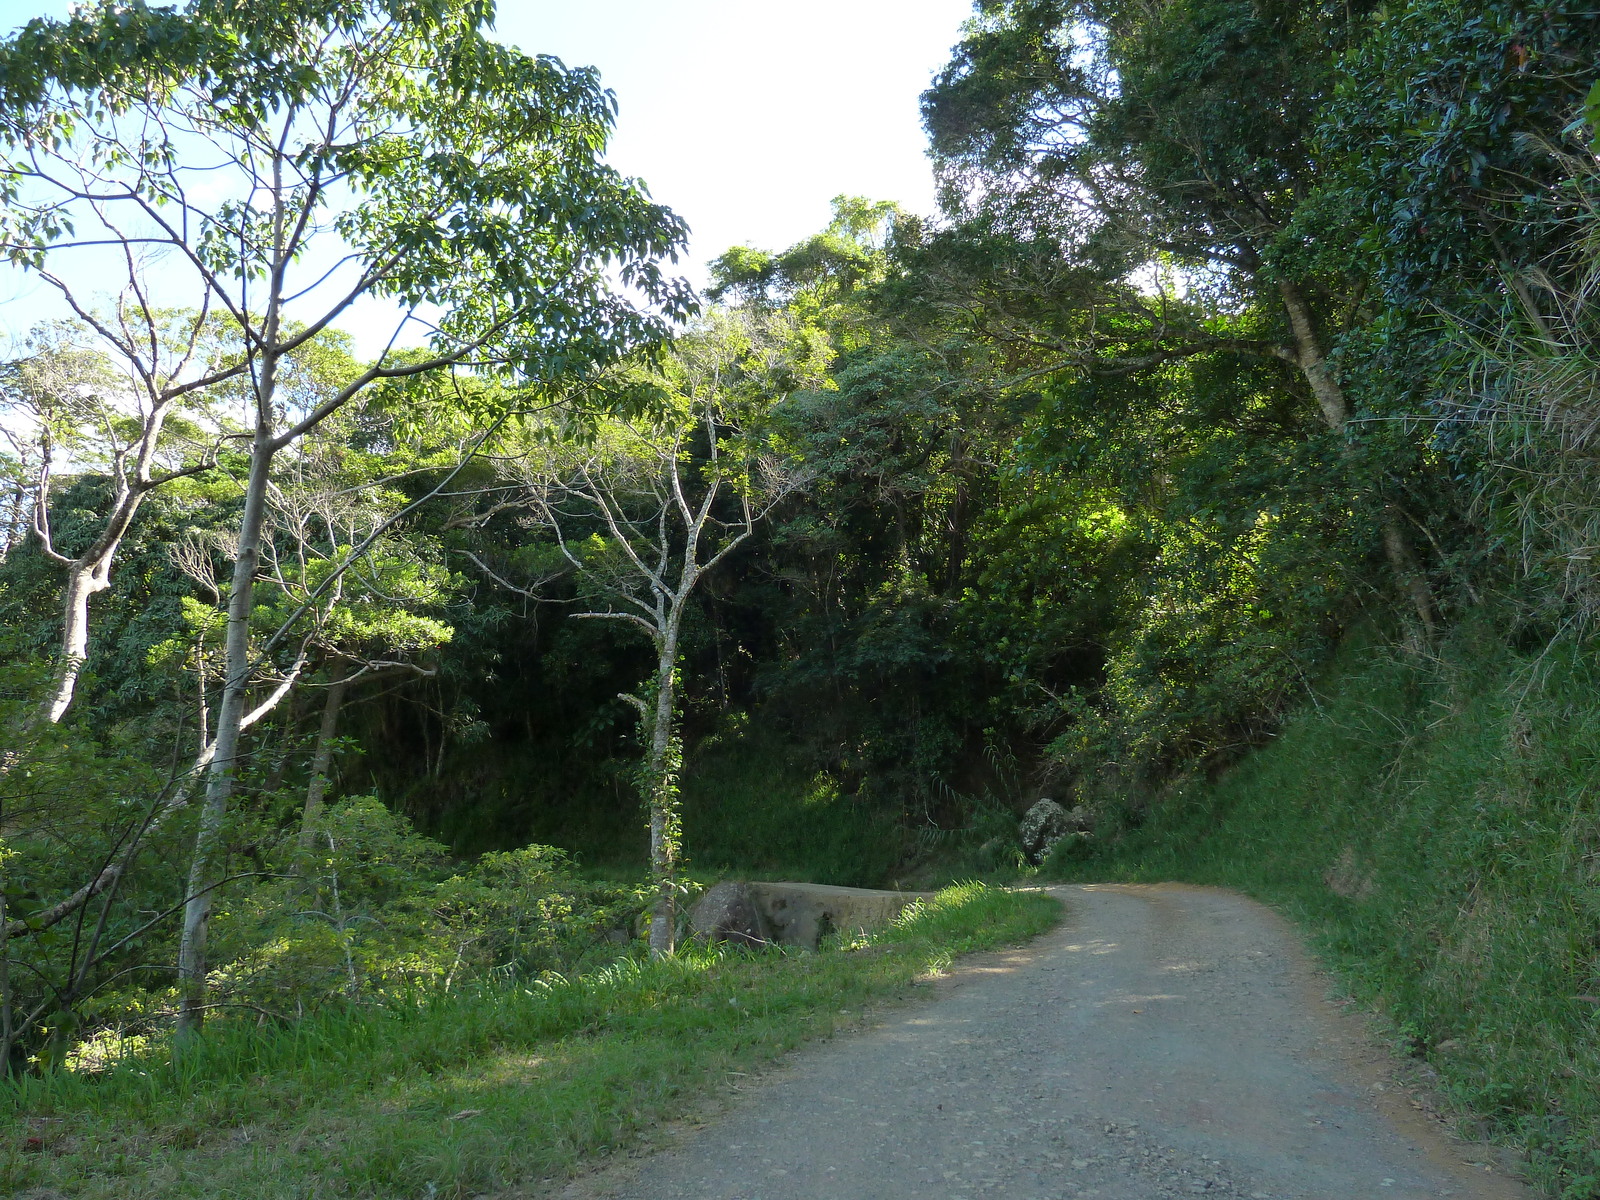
1055,499
1528,387
1430,821
479,1090
817,278
751,809
1140,131
69,803
527,912
476,174
1440,135
367,910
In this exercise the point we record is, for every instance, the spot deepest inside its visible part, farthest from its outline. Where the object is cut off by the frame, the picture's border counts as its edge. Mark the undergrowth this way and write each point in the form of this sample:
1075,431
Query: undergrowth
1434,823
749,810
459,1094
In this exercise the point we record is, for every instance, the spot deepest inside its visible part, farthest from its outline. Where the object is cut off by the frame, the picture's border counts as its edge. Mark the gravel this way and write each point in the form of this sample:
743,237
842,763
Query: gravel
1163,1041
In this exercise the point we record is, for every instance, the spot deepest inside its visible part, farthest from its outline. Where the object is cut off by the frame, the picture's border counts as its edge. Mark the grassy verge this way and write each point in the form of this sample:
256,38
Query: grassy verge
1435,826
466,1094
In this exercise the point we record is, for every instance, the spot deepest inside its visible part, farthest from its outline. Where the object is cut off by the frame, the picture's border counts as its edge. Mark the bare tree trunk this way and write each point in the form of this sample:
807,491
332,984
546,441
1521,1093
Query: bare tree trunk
87,577
1311,360
90,572
202,705
321,761
651,546
1403,561
230,712
82,582
1313,365
15,526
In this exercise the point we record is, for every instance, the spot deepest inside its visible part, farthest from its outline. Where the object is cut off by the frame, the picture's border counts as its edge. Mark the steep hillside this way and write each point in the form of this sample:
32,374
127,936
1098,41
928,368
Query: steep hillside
1433,821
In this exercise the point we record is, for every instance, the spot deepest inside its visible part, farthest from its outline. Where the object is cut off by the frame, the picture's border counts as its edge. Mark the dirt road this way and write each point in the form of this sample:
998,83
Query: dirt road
1162,1042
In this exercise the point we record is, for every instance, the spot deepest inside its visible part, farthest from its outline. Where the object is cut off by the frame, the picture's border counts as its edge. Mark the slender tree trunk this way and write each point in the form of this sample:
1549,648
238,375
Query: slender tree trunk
1311,360
90,573
659,770
285,740
1403,561
321,761
202,705
664,798
108,875
1313,365
230,712
15,527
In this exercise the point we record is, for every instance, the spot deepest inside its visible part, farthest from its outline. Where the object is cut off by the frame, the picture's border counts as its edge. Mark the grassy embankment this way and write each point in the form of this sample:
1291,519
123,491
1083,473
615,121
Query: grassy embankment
465,1094
1436,826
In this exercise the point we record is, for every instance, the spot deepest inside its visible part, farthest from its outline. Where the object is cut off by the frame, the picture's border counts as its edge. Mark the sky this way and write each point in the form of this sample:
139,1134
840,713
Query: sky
748,116
744,116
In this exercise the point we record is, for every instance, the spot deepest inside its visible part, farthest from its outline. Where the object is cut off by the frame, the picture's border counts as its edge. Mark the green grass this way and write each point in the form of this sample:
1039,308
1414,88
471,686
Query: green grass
465,1094
1436,827
749,811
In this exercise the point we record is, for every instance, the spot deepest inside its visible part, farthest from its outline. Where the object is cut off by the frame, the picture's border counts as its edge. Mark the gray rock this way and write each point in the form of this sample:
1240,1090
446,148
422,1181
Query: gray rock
729,913
799,914
1047,823
792,914
1042,826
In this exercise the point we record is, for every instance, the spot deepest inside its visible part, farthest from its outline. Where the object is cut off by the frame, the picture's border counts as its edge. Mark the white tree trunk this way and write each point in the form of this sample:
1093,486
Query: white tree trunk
83,581
90,573
230,714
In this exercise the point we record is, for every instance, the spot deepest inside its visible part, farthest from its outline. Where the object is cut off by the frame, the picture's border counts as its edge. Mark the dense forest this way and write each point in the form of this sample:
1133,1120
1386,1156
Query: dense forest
1251,337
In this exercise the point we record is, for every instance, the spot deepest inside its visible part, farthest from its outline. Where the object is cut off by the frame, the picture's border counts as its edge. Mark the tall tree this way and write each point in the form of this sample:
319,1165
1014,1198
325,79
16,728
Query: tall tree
290,159
648,508
1098,144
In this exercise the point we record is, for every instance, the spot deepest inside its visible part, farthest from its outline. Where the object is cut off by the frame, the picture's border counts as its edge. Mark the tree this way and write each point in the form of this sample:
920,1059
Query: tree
340,568
1098,144
68,396
371,589
644,511
1459,172
289,159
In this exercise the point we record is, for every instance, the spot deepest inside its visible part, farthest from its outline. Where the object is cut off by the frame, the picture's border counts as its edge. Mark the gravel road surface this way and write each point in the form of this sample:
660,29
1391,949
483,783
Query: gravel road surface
1163,1041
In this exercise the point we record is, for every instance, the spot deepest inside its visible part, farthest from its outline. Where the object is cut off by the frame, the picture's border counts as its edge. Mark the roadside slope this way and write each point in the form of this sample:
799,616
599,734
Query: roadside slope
1430,821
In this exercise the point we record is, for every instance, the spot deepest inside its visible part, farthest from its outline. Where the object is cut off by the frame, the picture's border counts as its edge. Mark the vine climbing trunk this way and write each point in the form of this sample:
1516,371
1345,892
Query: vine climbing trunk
661,785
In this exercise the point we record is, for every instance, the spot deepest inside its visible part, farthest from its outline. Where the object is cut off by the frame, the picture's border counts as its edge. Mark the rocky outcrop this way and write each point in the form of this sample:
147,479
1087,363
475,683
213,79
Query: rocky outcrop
793,914
1046,824
729,913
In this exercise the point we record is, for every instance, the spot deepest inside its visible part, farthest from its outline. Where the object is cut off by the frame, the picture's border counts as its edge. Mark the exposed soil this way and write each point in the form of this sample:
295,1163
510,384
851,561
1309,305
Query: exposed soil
1164,1041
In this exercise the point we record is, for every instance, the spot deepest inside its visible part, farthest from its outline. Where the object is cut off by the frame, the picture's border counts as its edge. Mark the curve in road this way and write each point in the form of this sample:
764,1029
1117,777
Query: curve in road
1164,1041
